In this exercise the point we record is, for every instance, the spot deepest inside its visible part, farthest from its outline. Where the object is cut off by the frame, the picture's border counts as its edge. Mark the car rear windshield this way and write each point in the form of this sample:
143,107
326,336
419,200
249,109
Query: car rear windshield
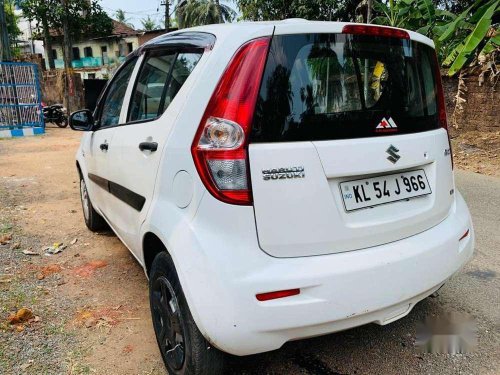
339,86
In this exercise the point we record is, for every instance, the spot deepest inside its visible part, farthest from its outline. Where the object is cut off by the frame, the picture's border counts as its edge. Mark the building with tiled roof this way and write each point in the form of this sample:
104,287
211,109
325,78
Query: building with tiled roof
97,57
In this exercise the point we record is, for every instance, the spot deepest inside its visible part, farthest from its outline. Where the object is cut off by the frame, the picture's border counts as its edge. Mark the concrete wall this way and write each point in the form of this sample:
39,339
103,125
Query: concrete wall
53,89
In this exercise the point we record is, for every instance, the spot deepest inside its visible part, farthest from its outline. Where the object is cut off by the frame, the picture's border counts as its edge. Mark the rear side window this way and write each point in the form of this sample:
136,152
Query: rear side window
339,86
161,76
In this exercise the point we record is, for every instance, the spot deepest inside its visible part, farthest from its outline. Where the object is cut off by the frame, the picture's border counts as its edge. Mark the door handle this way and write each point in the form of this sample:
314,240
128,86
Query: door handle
104,146
150,146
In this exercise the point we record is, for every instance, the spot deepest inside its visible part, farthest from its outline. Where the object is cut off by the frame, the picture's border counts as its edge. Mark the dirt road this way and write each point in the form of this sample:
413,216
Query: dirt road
90,302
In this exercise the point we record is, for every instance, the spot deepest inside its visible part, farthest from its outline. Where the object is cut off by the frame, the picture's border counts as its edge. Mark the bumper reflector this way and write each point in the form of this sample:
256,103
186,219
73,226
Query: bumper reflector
278,294
464,235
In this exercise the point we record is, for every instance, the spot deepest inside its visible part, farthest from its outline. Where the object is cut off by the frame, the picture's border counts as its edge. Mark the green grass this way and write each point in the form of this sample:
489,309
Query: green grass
5,228
74,361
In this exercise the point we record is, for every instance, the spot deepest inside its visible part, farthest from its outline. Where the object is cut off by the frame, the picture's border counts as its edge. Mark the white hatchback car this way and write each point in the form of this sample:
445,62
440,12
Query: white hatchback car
277,181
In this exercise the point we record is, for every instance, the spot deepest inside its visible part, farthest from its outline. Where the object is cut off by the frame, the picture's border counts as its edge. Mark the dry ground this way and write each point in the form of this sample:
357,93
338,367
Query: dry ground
477,152
91,300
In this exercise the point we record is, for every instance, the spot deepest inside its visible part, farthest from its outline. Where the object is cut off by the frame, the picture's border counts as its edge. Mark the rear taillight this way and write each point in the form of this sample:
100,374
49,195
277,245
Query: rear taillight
220,147
375,31
441,105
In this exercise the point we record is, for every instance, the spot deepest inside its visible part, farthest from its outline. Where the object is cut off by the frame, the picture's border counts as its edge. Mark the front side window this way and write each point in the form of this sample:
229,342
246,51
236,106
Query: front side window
162,75
146,99
113,101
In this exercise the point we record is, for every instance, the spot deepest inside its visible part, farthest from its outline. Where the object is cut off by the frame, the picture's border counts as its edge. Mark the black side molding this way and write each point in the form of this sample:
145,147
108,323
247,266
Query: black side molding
99,181
127,196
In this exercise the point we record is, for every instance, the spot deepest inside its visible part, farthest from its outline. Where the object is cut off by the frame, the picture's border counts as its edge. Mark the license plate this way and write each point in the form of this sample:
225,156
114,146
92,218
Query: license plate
369,192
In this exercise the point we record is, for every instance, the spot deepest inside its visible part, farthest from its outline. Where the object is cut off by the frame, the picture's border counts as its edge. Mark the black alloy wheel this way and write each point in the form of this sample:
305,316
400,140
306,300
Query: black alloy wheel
168,322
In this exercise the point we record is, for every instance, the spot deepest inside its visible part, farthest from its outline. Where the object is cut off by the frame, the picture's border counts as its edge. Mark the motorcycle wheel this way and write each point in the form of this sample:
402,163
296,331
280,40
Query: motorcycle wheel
62,122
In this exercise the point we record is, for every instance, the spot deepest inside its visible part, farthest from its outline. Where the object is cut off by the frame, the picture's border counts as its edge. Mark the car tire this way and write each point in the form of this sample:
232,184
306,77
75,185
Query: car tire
93,220
183,348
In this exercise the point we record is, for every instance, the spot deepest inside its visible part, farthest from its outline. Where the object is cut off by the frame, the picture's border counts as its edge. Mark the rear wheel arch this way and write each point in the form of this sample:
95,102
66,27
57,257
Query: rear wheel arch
152,245
79,169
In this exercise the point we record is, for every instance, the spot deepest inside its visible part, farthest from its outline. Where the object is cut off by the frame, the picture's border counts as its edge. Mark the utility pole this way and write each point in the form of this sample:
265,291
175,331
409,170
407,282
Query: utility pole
4,40
69,87
166,4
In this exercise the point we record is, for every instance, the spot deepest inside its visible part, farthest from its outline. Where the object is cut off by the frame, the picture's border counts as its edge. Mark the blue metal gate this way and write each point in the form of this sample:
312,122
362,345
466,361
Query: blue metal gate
20,100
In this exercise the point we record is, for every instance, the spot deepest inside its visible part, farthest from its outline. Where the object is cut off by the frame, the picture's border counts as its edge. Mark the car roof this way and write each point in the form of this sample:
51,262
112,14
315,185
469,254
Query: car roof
244,29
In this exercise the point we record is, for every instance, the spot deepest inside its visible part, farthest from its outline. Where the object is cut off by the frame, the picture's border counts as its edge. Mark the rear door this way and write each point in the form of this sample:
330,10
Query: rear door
139,142
347,149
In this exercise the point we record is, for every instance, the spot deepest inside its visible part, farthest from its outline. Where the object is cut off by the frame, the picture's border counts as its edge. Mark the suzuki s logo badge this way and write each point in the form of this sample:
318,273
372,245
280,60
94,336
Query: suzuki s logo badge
393,154
283,173
386,126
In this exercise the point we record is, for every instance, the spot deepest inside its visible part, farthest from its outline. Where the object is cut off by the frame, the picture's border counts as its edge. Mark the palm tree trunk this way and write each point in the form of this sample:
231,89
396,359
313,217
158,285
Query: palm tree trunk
217,4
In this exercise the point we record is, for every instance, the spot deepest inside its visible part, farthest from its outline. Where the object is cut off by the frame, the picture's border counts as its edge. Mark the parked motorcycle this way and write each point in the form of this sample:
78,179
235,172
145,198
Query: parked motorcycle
56,114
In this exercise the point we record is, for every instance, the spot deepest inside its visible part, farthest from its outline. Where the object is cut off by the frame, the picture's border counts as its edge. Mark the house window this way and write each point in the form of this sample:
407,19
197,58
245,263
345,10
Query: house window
91,76
54,54
104,54
130,47
122,48
87,52
76,53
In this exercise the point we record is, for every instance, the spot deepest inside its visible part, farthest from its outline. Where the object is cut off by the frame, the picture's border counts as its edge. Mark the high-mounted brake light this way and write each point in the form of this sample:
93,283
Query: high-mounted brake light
277,294
220,146
375,31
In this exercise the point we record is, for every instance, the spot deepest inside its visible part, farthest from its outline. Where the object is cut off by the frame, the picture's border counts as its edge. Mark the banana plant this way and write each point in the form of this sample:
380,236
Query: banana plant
480,37
493,43
394,13
419,15
458,38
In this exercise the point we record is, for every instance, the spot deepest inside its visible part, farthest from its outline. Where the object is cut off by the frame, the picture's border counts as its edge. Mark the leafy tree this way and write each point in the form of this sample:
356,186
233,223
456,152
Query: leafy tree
172,23
418,15
454,6
459,38
11,19
120,16
203,12
41,12
86,19
324,10
148,24
471,33
12,26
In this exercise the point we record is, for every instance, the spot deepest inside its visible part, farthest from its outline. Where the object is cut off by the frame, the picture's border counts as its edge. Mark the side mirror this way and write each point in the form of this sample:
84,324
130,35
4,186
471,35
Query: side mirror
82,120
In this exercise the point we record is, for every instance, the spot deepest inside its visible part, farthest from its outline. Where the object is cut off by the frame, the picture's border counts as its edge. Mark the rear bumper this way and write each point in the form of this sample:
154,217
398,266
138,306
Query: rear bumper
222,274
